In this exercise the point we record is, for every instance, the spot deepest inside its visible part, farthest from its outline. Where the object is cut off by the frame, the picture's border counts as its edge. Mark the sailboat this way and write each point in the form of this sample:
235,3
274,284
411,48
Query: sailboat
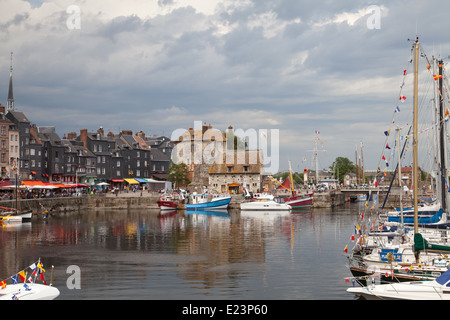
425,261
296,201
15,215
438,289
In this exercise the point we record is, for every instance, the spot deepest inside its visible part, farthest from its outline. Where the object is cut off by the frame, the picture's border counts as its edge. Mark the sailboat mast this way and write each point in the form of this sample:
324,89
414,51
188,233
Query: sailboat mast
442,136
415,135
290,178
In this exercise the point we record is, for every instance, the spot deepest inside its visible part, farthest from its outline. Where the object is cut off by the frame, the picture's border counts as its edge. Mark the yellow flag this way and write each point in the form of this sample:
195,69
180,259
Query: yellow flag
40,267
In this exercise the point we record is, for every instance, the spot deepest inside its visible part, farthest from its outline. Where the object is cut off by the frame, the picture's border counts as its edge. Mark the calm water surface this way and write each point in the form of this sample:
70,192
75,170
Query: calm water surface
182,255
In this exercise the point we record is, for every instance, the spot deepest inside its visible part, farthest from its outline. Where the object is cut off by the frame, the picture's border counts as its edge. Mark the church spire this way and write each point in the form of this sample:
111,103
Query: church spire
10,106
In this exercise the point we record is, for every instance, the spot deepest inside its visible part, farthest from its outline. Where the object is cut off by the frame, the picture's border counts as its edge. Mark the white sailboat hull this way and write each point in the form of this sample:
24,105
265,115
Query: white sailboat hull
417,290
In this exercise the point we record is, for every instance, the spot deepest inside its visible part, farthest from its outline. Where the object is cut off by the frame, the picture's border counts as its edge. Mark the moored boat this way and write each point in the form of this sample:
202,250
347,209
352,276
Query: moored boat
207,201
29,291
437,289
297,201
265,206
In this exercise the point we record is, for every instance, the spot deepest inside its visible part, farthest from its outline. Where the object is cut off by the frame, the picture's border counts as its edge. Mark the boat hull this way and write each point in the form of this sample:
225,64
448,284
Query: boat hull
17,218
34,292
216,203
265,206
299,201
167,205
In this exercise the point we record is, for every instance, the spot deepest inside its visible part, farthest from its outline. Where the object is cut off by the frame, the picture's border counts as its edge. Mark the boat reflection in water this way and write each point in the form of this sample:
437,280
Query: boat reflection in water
178,253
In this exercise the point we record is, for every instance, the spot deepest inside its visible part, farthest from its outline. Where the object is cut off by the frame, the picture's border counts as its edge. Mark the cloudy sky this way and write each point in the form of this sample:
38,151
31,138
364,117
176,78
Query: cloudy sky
297,66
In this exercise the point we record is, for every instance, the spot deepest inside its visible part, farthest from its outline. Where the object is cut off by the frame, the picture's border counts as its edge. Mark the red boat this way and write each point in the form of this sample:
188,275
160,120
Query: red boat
300,201
168,202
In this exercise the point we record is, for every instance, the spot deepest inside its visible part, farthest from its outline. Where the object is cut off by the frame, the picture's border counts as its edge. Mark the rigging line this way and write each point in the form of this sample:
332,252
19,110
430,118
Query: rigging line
397,101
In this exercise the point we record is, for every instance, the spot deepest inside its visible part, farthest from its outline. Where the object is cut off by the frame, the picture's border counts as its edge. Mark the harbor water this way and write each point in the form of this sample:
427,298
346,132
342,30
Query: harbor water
142,254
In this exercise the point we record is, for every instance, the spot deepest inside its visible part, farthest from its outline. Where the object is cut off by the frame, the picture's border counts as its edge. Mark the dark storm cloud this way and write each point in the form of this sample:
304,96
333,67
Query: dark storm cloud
299,66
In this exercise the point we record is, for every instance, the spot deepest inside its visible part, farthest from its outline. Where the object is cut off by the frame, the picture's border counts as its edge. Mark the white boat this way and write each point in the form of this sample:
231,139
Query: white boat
438,289
28,291
264,196
16,218
265,205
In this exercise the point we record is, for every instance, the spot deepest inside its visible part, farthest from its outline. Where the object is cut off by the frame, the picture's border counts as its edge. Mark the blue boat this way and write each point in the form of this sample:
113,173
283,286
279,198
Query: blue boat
207,202
223,213
422,220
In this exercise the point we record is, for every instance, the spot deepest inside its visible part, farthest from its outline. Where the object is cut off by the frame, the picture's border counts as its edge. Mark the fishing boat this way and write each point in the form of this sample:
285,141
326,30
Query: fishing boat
206,201
168,202
438,289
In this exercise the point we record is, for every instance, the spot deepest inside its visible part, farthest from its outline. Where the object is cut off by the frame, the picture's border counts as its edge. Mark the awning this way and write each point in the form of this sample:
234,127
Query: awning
117,180
234,185
32,183
131,181
141,180
154,181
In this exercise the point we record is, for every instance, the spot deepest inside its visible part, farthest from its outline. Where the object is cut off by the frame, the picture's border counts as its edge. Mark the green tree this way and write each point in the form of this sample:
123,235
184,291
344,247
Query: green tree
178,175
341,166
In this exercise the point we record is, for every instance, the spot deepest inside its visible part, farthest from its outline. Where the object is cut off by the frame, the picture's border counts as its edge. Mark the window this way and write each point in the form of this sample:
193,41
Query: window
118,164
245,168
230,168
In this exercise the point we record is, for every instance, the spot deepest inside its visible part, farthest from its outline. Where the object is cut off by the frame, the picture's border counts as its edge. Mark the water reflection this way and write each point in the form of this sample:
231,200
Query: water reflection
185,254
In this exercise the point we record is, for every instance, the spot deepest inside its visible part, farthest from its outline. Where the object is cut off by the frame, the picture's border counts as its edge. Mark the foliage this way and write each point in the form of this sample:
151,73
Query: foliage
341,166
178,174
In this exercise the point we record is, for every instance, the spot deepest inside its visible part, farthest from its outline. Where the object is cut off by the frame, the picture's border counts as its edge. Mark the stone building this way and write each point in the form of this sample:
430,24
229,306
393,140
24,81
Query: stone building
243,172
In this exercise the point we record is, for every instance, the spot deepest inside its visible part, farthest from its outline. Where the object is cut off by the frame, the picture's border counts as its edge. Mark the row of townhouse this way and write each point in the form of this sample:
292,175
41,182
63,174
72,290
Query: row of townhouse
87,158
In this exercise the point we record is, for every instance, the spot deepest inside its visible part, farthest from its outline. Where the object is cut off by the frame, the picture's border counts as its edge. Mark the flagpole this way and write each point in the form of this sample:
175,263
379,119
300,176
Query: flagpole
415,139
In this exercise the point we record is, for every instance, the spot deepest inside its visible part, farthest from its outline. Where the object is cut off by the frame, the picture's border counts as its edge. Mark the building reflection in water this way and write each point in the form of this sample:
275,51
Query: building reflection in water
204,249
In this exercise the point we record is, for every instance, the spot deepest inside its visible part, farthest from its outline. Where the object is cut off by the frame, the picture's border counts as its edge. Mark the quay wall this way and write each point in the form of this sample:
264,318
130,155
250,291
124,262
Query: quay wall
147,200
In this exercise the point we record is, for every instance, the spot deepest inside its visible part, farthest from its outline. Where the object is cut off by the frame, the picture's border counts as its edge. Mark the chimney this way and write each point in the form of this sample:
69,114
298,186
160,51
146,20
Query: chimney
110,134
101,131
83,137
204,128
127,132
141,134
71,136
